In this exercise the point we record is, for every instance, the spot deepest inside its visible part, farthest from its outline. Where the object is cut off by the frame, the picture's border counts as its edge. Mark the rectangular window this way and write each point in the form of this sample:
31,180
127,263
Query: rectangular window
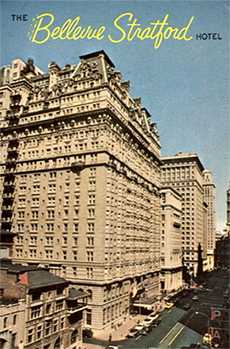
48,325
30,334
62,323
35,312
39,332
55,325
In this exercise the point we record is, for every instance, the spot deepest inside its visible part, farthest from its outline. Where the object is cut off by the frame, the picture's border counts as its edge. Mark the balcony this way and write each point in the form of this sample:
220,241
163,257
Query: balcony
6,219
7,208
9,184
12,150
7,195
11,160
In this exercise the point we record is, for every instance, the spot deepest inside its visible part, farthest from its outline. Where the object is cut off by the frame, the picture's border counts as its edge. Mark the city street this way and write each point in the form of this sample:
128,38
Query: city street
181,327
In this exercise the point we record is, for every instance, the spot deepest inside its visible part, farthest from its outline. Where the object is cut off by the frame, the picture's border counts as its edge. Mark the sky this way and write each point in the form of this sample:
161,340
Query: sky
183,84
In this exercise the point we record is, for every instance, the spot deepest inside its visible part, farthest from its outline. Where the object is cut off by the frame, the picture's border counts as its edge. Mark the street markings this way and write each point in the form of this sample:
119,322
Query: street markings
177,334
171,335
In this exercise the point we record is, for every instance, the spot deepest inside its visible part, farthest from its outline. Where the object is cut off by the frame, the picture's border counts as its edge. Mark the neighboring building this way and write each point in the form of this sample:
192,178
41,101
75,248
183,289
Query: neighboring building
12,320
184,172
11,73
228,205
218,236
222,255
80,174
209,199
39,310
171,241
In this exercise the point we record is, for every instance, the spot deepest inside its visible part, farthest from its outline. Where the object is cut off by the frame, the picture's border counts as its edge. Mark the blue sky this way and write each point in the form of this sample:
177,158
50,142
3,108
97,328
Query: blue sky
185,85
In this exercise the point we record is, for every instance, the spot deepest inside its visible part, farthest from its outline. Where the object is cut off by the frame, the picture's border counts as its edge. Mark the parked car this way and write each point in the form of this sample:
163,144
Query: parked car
156,323
168,305
132,333
143,332
207,338
139,327
148,321
154,316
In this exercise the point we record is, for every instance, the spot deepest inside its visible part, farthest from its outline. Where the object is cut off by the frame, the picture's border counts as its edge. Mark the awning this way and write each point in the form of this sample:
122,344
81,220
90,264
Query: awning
147,303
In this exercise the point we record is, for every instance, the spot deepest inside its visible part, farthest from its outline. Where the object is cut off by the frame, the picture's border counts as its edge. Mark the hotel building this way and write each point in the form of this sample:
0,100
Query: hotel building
80,178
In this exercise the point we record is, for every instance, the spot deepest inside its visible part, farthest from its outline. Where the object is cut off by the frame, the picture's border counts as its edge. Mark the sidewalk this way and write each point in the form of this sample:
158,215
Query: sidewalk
92,346
120,332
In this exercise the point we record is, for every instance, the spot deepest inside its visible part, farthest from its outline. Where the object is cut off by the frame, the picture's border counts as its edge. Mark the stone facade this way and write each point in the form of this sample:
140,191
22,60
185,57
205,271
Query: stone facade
80,175
44,312
184,172
228,209
209,198
171,241
12,319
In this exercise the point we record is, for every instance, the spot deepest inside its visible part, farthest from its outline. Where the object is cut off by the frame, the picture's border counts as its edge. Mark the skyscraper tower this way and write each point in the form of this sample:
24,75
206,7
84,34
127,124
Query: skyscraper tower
228,206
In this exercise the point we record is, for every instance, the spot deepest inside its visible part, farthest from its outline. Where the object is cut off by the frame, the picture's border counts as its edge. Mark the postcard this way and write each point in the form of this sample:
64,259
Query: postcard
114,174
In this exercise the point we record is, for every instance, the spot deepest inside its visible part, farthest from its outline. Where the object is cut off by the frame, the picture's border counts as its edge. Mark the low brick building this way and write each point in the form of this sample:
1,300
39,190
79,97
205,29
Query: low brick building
39,309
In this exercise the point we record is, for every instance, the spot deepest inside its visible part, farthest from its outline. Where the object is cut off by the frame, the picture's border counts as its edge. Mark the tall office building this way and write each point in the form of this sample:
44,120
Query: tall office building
171,241
184,172
228,206
80,177
209,198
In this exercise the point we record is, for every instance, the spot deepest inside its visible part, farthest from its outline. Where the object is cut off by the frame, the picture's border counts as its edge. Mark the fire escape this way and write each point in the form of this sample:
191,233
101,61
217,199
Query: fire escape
6,236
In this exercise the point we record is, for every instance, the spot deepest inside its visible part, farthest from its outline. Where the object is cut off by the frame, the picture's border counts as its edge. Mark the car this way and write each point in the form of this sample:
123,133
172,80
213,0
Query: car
113,347
139,327
168,305
195,298
143,332
153,316
187,306
148,321
156,323
132,333
207,338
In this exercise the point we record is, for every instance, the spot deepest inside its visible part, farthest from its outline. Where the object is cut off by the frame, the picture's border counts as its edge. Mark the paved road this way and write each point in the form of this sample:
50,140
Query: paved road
211,312
180,327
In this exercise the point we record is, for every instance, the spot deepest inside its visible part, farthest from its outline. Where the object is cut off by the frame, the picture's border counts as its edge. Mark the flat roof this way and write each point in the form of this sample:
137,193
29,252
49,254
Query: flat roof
97,53
184,157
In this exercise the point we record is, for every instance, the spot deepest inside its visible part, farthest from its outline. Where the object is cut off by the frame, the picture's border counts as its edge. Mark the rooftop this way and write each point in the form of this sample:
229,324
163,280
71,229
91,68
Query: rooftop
43,278
97,53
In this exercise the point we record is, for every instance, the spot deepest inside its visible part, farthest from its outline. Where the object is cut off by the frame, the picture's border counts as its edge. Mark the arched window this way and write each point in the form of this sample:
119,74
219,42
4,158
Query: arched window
74,336
5,322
